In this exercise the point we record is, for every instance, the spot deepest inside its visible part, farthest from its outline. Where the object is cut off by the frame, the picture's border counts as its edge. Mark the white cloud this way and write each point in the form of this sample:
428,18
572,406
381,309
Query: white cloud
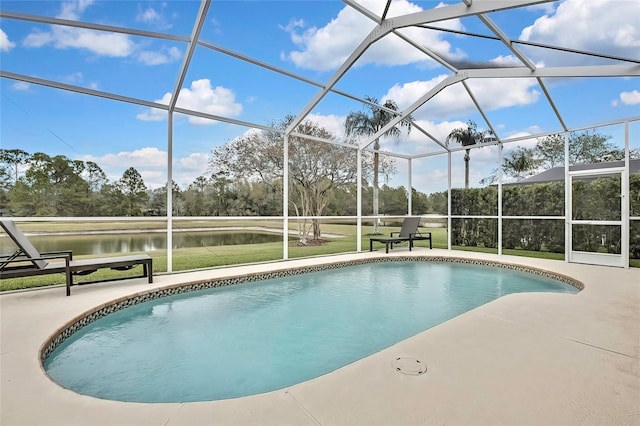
332,123
293,25
603,26
455,101
149,156
77,78
195,160
546,7
151,163
187,169
200,97
21,86
73,9
630,98
328,47
441,130
153,114
73,78
5,43
112,45
149,15
101,43
506,61
153,16
524,143
150,57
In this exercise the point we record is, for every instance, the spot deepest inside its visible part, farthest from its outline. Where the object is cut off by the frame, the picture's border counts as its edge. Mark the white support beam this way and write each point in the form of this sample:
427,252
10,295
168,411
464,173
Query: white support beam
557,72
452,79
285,198
507,41
89,26
410,192
359,201
170,192
500,176
429,135
202,12
430,53
322,140
552,103
625,199
82,90
449,201
193,43
376,34
479,108
366,12
284,72
458,11
568,238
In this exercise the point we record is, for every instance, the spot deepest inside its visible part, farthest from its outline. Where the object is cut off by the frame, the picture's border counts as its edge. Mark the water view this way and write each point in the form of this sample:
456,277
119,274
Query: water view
138,242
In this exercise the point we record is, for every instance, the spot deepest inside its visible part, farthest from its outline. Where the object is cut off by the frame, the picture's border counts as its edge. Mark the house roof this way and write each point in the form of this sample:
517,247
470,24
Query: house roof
557,173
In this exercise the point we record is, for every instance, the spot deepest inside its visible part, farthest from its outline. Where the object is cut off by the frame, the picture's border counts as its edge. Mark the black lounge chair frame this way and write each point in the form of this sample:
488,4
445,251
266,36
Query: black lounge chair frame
27,261
409,232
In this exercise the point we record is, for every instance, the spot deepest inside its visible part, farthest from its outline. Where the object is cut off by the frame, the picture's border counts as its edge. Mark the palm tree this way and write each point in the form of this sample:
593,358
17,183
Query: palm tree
466,137
369,123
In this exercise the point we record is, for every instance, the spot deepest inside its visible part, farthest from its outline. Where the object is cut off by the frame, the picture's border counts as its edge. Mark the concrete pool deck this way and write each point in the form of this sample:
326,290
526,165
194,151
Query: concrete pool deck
524,359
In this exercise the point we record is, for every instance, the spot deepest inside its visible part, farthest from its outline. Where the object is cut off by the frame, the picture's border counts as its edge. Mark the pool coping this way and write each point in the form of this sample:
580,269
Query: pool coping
86,318
536,359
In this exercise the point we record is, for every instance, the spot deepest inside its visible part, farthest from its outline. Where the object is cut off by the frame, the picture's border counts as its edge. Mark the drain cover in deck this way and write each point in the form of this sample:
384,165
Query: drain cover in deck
410,366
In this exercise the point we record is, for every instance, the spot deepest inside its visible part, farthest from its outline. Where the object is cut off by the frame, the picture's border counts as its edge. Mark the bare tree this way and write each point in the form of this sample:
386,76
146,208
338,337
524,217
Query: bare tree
315,168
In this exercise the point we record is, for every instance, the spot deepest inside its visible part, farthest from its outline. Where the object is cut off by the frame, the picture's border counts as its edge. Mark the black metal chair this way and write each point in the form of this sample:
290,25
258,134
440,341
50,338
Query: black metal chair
28,261
409,232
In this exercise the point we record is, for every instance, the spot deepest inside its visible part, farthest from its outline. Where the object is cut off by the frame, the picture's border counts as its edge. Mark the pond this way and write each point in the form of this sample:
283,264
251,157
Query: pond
98,244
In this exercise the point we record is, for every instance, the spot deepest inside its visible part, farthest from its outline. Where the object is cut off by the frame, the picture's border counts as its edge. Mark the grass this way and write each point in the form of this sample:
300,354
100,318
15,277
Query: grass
208,257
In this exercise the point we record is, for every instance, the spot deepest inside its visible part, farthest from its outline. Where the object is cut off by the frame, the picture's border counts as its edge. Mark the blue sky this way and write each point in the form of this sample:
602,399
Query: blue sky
308,38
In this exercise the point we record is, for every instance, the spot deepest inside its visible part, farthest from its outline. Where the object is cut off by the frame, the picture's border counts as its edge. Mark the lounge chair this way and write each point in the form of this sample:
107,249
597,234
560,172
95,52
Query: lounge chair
409,232
27,261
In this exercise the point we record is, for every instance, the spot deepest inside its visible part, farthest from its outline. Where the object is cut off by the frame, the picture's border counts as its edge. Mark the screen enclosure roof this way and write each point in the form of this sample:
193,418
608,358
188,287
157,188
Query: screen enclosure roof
519,69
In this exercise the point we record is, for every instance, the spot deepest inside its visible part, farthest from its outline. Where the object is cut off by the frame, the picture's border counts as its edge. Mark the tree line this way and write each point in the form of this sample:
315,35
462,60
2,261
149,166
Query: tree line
41,185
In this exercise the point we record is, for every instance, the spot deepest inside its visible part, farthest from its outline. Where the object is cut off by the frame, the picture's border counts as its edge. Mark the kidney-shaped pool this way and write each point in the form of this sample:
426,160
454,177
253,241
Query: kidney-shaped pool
260,336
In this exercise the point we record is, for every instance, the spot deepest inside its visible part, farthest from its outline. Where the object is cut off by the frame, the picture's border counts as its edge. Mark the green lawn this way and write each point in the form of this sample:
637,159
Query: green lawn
208,257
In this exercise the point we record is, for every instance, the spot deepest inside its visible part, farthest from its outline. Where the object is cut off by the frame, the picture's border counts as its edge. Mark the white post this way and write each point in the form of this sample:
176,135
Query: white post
359,200
500,147
625,201
409,196
285,200
170,192
568,240
449,200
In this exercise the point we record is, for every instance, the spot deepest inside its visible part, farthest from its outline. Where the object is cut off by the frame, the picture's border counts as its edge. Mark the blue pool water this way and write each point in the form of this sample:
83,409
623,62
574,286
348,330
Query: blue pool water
255,337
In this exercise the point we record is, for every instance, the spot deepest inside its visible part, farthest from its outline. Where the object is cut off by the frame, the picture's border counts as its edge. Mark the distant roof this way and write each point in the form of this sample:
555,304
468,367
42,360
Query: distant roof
557,173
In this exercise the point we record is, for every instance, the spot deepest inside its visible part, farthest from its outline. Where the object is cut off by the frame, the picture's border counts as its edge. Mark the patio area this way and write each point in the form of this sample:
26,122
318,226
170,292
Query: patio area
524,359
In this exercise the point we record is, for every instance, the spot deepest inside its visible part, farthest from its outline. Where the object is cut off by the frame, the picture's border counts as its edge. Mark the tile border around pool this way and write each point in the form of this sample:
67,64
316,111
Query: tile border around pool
115,305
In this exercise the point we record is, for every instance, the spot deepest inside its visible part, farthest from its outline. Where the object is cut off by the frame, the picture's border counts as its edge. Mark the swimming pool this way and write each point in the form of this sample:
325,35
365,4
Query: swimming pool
240,340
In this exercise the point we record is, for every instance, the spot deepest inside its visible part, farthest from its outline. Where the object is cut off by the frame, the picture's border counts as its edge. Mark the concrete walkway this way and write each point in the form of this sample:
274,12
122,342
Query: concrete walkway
524,359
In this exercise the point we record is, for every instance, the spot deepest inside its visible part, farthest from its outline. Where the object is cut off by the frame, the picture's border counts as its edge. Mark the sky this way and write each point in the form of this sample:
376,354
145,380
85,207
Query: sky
310,39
